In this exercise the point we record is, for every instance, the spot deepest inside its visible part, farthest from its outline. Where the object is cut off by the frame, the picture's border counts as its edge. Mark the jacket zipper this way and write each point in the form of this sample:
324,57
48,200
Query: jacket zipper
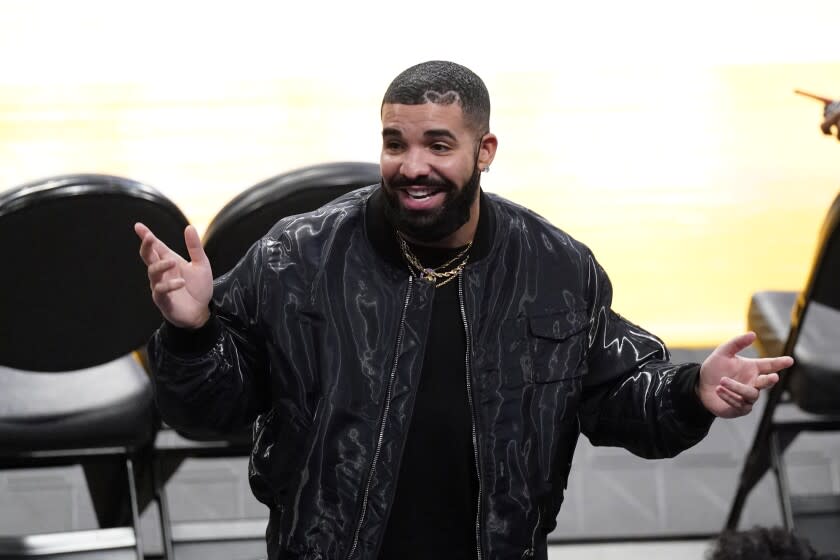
384,421
472,412
532,551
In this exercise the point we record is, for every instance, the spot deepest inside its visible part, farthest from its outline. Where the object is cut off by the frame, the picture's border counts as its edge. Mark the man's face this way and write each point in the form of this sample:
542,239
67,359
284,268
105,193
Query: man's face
429,168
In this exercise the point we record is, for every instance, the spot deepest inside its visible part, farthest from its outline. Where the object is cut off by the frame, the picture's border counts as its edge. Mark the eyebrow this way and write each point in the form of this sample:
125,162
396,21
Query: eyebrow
438,132
433,133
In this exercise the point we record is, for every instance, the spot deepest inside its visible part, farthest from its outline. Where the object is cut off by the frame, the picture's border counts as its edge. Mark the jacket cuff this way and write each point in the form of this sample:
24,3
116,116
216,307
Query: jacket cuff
687,403
191,342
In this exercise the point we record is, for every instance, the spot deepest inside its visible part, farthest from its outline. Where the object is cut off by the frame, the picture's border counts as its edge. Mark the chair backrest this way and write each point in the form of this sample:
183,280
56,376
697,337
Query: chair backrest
73,290
823,284
252,213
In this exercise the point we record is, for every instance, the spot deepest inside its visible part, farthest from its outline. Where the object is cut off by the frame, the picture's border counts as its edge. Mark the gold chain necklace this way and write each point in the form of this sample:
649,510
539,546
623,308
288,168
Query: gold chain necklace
440,275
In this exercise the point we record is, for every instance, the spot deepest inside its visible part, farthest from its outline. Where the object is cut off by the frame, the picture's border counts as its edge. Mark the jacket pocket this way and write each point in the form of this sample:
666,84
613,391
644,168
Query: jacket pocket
280,441
545,348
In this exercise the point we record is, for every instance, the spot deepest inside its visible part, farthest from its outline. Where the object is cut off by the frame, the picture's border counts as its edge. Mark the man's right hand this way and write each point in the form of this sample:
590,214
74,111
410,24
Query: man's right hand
181,289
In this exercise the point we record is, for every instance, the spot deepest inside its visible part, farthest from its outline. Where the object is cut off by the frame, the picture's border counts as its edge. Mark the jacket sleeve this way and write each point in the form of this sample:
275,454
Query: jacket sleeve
216,378
633,396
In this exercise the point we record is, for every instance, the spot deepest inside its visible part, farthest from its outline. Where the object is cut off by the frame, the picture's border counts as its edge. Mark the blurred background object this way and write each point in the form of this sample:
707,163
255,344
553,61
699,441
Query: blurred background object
831,112
662,135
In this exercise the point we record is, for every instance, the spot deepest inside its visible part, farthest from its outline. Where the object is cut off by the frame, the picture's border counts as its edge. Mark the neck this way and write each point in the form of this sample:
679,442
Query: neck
460,236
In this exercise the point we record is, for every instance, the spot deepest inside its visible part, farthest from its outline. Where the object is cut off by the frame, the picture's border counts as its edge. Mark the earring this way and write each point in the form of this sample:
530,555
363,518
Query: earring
486,169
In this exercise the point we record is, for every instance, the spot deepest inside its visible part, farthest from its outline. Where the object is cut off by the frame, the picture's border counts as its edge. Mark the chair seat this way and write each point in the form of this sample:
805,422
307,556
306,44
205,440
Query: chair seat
242,438
815,382
110,405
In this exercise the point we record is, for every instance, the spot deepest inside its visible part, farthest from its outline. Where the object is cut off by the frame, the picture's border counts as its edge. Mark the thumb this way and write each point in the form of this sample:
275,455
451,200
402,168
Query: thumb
735,345
193,242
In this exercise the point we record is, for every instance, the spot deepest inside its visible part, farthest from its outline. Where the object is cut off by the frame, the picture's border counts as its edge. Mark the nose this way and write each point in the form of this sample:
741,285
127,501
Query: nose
414,164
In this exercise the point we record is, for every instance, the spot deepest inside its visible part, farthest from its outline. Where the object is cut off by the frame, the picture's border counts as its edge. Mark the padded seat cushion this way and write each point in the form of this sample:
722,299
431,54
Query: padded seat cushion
815,377
110,405
242,438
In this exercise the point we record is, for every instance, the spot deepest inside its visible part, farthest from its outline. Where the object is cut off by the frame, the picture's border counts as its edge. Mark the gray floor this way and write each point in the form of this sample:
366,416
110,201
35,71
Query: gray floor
675,550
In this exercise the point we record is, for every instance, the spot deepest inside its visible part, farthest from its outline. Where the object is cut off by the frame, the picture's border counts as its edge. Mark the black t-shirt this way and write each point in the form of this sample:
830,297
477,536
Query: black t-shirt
434,509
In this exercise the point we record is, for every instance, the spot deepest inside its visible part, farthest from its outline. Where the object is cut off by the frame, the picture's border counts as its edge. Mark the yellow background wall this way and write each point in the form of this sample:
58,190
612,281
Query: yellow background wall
666,137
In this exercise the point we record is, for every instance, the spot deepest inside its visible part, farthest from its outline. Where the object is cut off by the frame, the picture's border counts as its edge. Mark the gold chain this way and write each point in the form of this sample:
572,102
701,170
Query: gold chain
440,276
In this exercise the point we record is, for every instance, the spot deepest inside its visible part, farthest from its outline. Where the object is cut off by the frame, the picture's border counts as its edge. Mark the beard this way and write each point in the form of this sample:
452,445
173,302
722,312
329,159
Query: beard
430,226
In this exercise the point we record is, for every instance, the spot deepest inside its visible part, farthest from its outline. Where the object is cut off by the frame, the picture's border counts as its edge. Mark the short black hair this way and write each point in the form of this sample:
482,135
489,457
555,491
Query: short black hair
765,544
443,82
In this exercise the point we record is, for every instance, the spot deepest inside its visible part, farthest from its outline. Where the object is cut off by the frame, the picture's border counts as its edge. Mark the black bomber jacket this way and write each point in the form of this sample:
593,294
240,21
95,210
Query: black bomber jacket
317,337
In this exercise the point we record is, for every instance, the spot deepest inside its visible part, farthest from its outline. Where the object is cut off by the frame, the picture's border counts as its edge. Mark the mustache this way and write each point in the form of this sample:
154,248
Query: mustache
401,181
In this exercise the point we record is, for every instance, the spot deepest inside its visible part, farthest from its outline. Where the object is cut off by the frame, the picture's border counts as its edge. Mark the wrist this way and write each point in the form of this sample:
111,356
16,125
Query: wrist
203,317
191,341
689,397
192,323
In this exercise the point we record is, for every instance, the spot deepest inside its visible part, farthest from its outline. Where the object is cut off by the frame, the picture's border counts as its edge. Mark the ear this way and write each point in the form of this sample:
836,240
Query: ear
487,150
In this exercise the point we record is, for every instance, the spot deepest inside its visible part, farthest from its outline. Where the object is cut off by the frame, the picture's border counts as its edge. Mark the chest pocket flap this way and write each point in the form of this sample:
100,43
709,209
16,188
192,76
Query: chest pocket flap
558,326
556,344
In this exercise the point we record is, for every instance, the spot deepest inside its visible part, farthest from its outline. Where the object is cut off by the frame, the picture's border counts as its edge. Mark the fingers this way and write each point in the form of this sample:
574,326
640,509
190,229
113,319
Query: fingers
158,282
148,247
740,397
766,381
153,249
147,238
739,408
141,230
747,393
771,365
147,251
165,286
193,243
737,344
733,400
158,269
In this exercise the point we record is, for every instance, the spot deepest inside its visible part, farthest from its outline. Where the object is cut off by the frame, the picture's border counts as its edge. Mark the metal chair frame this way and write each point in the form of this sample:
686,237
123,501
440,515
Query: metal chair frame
97,188
774,435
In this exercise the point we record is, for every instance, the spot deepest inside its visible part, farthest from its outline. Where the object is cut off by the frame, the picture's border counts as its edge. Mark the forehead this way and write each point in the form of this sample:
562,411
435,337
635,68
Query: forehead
420,118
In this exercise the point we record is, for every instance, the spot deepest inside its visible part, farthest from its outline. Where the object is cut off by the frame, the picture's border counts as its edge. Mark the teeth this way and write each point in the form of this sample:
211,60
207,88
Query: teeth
419,194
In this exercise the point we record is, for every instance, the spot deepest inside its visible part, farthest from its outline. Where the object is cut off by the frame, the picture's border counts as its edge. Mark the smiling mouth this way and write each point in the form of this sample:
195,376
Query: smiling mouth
421,193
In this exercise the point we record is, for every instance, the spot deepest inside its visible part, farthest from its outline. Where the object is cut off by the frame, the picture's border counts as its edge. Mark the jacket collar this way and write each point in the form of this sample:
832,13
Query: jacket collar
384,239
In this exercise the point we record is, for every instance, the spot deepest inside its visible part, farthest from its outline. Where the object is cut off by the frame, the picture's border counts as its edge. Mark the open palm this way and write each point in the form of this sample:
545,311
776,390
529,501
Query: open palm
729,384
181,289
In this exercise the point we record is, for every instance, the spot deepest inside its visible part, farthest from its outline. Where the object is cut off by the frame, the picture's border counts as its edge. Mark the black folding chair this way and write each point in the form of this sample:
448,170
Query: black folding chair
75,304
805,325
236,227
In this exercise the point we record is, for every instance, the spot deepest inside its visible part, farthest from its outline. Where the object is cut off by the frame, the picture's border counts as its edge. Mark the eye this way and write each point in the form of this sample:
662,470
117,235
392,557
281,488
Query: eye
440,147
392,145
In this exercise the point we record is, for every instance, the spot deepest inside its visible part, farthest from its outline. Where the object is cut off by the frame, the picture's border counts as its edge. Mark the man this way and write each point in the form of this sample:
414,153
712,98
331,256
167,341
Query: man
419,357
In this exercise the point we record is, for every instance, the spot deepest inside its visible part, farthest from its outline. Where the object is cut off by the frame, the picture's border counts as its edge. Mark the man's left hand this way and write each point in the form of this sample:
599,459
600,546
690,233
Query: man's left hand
729,384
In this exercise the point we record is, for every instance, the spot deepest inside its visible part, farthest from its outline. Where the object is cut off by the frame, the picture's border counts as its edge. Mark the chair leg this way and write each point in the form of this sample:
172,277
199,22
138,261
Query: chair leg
737,506
781,480
135,510
163,510
757,460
